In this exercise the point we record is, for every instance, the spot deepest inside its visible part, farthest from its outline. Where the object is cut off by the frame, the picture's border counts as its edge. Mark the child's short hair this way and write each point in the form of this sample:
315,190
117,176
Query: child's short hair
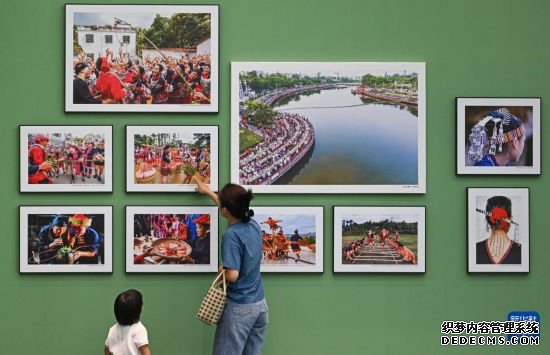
128,307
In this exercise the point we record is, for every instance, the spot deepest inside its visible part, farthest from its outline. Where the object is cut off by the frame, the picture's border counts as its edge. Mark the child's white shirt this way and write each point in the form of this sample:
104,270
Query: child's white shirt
126,339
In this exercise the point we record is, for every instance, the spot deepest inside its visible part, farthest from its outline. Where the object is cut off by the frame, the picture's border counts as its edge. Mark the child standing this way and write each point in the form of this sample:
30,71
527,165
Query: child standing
128,336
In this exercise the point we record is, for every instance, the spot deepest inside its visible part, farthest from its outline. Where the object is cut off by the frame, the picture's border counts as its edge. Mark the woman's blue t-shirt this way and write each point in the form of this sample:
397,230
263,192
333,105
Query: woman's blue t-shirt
242,251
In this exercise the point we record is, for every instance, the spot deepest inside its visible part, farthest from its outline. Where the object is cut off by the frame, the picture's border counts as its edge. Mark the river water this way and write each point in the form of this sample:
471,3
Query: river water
369,143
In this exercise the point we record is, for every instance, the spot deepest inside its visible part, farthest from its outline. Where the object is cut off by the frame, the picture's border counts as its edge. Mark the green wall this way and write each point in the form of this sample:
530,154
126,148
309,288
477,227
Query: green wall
471,48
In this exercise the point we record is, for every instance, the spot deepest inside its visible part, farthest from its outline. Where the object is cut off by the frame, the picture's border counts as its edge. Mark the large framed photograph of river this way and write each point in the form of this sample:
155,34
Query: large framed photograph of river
320,127
141,58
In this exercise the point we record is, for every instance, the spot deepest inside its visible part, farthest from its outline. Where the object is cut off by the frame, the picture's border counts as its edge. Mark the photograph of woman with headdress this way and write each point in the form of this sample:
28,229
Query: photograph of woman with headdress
497,136
499,230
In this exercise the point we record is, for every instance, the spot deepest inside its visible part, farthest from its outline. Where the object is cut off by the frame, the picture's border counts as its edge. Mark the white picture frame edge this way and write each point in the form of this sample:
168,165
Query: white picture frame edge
107,186
462,102
524,267
25,211
237,67
420,267
70,9
131,210
131,186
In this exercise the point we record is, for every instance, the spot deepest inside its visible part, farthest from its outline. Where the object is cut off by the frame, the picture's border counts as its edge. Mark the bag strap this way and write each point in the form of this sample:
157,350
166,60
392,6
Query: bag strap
217,281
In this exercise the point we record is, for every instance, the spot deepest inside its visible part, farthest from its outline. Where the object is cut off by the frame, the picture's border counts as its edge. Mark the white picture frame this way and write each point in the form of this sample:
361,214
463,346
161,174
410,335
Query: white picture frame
150,263
380,257
30,239
281,256
480,232
472,110
63,137
182,134
414,181
132,17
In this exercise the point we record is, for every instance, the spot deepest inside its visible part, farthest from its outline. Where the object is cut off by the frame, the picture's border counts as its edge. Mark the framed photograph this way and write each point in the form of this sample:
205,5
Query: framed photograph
380,239
498,136
498,230
65,239
292,238
171,239
340,127
66,158
165,158
141,58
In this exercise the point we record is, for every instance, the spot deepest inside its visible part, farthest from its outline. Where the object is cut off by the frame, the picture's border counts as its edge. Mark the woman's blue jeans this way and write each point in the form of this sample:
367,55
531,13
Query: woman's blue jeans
241,329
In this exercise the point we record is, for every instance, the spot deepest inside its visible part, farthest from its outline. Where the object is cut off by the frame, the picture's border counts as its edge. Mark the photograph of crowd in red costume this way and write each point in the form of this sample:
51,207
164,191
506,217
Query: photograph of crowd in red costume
292,238
169,241
385,239
166,158
290,120
67,241
498,229
65,158
141,58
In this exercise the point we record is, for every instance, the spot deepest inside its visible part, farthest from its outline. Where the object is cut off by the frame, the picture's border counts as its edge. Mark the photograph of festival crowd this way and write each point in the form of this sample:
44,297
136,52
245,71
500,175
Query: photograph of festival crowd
498,230
65,239
379,239
141,58
498,136
328,127
171,239
292,238
171,158
65,158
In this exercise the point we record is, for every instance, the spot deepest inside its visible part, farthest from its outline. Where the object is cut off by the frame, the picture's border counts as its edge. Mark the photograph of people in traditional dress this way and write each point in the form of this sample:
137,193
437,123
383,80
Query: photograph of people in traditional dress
498,136
292,238
141,58
499,236
291,121
166,158
67,158
66,240
170,242
388,239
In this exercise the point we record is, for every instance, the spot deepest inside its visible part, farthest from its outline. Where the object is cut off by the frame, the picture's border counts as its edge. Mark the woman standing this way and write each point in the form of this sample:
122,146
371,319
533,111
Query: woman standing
165,164
242,327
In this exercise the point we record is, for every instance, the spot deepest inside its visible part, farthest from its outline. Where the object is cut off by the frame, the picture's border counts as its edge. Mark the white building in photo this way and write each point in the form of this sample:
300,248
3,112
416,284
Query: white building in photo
96,39
176,53
204,47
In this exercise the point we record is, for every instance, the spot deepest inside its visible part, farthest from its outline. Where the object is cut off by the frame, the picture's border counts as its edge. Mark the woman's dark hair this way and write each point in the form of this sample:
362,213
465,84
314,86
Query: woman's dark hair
161,67
498,202
141,70
237,201
128,307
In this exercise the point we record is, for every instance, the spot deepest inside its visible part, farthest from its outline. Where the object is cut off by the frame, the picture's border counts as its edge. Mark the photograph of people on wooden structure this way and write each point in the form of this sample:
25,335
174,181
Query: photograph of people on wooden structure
292,238
384,239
